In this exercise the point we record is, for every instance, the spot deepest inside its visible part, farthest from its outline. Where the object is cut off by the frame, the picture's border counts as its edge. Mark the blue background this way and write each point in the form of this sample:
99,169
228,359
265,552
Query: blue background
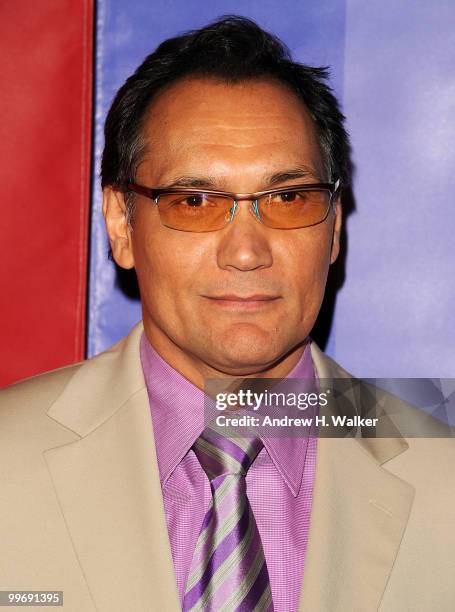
392,66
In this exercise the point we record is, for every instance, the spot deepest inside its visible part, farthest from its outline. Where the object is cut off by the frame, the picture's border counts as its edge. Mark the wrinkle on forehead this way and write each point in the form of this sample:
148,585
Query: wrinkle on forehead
225,128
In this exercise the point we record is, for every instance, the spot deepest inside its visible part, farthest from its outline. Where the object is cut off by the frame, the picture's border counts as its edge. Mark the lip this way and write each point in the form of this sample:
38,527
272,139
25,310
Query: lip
257,297
239,302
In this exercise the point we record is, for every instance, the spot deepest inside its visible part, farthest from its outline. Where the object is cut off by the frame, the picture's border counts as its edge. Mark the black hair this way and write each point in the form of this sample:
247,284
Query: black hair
231,49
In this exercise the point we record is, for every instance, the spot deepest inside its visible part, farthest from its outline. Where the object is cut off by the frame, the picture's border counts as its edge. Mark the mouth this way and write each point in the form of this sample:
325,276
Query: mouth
239,302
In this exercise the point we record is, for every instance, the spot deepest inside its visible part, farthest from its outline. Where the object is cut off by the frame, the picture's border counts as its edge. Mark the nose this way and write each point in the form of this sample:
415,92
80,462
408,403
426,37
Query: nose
244,243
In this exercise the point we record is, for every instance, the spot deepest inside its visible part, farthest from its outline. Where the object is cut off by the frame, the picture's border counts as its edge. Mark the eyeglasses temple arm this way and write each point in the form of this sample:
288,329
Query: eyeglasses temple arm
145,191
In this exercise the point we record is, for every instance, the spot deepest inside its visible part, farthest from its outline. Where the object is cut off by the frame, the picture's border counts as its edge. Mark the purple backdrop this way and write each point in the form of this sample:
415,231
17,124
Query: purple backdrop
392,67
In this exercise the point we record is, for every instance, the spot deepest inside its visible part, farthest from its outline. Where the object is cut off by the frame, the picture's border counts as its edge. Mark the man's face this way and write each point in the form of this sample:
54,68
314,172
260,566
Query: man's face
236,138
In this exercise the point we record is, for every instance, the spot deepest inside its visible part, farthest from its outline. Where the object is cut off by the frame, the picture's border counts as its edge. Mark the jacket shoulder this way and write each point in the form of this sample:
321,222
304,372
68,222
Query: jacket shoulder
25,427
36,393
24,406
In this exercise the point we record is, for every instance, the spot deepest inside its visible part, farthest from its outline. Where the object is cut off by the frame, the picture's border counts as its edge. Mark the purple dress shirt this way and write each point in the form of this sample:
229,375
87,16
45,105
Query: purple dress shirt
279,482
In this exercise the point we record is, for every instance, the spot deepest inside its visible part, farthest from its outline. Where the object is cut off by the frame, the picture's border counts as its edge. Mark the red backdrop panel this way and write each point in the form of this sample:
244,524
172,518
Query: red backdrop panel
45,111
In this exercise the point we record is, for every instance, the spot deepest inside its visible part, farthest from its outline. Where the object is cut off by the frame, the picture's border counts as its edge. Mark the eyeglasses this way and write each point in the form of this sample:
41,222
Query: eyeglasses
195,210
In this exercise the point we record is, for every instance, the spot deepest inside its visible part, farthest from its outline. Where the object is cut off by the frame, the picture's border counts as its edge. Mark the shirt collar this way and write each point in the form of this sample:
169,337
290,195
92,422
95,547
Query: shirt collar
177,408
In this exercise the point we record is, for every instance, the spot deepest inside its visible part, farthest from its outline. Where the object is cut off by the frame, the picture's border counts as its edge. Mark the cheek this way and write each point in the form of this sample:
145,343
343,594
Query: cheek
307,260
167,263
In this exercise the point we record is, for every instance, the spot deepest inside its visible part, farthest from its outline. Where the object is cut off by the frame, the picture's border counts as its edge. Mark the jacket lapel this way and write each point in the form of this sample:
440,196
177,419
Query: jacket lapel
108,486
359,514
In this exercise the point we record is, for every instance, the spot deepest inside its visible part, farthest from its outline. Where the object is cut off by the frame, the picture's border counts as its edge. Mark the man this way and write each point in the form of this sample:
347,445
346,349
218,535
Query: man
221,177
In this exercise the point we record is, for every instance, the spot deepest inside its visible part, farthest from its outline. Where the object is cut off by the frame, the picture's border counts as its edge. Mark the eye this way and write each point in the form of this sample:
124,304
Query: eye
288,196
194,200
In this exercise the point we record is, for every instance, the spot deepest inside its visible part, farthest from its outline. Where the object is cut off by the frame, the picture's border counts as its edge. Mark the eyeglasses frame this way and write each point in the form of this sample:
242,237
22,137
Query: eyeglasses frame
153,193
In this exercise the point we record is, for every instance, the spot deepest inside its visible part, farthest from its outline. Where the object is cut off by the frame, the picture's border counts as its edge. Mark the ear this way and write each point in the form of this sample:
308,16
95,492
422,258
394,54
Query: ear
117,226
336,232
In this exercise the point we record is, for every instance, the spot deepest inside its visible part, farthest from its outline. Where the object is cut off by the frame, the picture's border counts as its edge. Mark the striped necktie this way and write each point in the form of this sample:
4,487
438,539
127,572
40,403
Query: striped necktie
228,570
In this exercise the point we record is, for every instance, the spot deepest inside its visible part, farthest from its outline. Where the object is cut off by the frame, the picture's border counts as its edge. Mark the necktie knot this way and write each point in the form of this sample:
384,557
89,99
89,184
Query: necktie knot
220,455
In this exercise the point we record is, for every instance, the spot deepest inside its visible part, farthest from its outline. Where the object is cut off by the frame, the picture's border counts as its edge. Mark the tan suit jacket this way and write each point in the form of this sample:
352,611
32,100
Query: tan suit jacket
81,508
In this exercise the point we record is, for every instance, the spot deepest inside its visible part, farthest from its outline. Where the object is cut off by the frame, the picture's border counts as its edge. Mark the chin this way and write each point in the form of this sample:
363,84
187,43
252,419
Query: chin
248,350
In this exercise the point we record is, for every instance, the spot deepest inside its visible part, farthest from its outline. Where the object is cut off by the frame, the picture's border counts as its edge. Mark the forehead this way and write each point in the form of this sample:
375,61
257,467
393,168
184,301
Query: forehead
204,121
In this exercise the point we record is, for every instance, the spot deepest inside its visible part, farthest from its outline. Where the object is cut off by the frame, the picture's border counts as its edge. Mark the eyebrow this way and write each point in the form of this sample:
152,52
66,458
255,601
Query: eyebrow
203,182
208,182
290,175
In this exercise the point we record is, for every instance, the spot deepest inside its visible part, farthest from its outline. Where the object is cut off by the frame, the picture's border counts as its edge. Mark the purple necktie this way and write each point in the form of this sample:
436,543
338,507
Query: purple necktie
228,571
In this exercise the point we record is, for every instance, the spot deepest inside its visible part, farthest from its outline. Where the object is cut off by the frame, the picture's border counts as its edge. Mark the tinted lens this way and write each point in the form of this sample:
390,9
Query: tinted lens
195,212
293,208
